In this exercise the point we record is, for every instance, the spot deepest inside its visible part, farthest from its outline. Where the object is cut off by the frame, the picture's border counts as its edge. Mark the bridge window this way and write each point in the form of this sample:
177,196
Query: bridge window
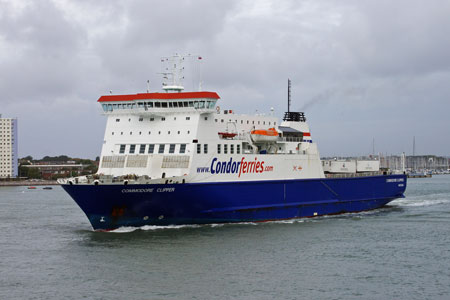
186,104
238,149
164,104
218,148
225,149
142,149
191,104
170,104
205,148
122,149
199,148
175,104
132,149
151,148
161,148
182,148
180,104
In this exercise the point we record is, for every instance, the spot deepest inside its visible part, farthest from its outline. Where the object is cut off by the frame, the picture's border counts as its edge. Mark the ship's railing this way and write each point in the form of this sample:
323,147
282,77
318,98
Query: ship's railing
362,174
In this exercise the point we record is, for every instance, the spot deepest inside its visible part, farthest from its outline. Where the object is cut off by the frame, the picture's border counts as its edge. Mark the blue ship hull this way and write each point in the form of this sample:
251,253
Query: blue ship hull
112,206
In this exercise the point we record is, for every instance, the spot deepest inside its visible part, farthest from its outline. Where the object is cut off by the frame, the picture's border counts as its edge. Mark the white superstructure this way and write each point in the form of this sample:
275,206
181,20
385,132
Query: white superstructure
162,135
175,135
8,148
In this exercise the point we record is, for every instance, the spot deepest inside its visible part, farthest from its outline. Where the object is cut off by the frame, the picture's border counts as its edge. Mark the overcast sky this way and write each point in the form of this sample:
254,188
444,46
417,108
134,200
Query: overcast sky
361,70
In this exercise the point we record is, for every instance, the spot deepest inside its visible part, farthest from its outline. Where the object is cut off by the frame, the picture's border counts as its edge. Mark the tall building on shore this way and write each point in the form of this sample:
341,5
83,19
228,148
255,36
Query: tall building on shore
8,147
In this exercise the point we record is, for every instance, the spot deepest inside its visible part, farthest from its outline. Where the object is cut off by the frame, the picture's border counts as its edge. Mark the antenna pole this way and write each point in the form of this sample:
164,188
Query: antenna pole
289,94
200,73
373,146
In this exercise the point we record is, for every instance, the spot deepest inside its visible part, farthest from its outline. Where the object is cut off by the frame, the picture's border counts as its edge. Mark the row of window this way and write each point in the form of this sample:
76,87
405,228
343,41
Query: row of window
219,148
150,148
248,122
161,148
159,132
162,119
209,104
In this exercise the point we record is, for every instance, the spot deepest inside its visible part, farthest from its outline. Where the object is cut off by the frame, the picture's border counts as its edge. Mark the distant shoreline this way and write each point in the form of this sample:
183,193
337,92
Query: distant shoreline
28,183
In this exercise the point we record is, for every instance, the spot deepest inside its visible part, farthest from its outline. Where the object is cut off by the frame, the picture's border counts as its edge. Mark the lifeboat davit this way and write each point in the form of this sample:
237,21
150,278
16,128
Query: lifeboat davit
264,135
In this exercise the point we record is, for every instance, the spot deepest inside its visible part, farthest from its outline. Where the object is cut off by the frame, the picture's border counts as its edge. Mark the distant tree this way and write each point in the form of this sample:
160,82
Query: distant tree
29,158
23,171
33,173
56,158
85,162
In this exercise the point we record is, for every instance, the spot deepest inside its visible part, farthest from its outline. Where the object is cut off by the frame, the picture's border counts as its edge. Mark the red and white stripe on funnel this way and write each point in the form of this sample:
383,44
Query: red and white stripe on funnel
307,137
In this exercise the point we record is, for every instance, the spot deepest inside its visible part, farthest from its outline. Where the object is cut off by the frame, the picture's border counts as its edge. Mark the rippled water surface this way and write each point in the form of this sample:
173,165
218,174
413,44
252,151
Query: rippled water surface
402,251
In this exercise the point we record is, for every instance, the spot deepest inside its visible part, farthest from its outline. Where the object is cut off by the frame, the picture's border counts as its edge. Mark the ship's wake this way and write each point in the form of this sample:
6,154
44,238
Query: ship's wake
423,200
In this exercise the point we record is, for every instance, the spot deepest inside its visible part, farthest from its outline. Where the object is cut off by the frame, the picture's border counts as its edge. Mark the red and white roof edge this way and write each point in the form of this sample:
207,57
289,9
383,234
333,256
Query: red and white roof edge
159,96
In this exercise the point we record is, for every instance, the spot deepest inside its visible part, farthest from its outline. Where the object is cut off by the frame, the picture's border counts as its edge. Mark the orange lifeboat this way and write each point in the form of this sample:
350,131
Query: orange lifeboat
264,135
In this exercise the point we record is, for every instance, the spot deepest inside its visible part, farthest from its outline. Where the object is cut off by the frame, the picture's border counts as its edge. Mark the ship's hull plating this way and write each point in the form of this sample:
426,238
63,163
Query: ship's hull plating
111,206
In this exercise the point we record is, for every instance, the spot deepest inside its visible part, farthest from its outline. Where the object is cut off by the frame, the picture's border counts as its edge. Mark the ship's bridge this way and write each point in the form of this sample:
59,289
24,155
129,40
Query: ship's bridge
159,103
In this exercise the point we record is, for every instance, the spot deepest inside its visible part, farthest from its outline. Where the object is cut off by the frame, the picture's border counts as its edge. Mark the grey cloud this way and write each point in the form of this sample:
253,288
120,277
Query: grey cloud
366,68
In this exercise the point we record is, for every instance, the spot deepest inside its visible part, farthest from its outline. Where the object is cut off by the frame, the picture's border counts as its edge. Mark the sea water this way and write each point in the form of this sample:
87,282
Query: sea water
402,251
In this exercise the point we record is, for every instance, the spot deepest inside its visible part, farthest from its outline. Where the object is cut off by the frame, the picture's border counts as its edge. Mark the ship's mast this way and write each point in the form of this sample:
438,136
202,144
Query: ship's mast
289,95
173,73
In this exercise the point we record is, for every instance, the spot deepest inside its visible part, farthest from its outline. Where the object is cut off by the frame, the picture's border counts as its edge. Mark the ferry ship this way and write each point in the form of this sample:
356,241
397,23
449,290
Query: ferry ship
175,157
